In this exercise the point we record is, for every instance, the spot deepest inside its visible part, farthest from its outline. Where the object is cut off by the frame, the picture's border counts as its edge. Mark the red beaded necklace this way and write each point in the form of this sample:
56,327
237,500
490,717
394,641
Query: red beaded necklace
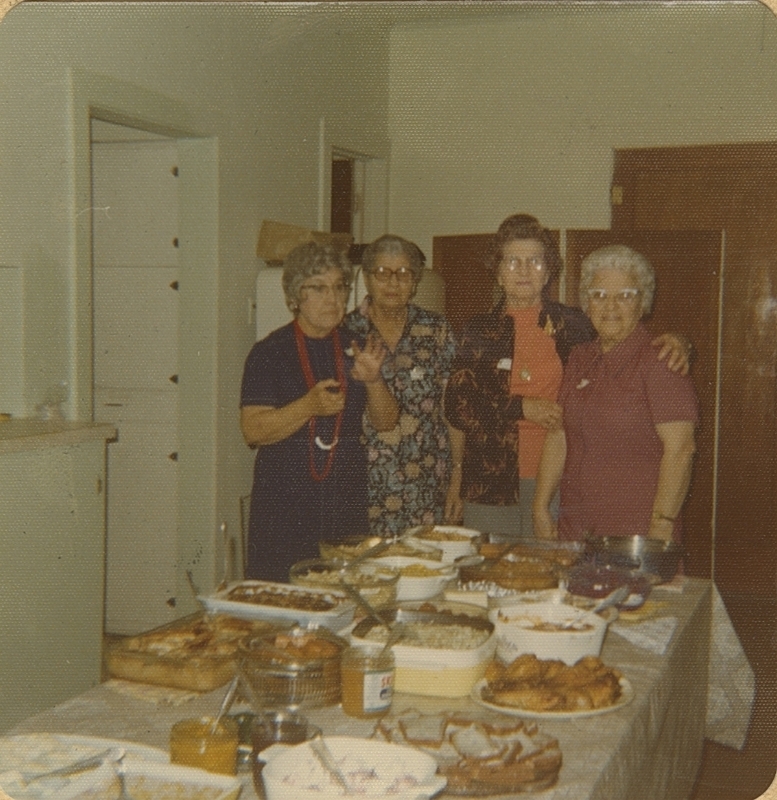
310,380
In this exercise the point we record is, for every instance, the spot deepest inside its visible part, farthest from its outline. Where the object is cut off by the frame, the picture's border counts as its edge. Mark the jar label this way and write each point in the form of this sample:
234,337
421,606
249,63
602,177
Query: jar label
378,690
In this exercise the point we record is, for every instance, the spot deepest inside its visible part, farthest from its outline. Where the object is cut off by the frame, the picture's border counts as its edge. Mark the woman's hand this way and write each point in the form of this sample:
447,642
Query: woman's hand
661,529
541,412
676,349
544,525
326,398
367,362
454,505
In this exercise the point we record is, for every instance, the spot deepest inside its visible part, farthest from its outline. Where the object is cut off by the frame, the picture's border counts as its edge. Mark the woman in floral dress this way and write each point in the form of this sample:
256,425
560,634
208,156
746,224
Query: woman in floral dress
414,470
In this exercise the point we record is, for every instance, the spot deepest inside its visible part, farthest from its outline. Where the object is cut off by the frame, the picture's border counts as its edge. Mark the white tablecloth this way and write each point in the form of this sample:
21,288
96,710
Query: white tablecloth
700,685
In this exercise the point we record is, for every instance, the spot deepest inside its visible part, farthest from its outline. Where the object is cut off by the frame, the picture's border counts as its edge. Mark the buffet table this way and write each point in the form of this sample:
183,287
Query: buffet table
648,748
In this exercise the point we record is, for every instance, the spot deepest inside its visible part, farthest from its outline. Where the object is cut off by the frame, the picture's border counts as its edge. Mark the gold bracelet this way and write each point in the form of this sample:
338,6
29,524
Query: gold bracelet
658,517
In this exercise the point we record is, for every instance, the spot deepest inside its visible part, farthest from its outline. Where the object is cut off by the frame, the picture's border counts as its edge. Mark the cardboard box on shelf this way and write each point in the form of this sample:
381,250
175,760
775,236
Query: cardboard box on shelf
277,239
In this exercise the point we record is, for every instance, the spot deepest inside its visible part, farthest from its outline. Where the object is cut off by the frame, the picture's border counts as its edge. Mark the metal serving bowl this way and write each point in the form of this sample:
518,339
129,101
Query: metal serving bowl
651,556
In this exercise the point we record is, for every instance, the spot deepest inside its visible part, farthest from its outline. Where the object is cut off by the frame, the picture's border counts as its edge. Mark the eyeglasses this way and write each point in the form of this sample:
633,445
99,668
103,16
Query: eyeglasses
514,263
384,275
322,290
621,297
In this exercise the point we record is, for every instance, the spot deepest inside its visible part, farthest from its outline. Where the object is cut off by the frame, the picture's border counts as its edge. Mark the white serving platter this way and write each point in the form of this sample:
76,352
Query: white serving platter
627,695
146,768
336,618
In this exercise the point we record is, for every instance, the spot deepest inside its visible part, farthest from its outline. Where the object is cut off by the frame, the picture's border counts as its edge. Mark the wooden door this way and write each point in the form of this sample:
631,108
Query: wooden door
688,276
469,284
730,187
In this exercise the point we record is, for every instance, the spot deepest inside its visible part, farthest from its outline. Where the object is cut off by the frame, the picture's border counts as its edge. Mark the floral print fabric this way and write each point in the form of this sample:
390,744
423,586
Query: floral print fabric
409,466
478,400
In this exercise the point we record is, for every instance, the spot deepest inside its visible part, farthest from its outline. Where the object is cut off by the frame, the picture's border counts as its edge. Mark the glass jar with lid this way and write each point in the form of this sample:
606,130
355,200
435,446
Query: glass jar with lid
367,681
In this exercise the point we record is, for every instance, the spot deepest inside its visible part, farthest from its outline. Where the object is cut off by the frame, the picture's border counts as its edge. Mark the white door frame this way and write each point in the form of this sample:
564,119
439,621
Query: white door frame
373,175
122,103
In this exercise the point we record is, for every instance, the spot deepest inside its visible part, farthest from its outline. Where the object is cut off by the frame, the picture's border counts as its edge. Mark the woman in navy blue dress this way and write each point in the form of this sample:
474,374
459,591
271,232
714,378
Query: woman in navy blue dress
305,389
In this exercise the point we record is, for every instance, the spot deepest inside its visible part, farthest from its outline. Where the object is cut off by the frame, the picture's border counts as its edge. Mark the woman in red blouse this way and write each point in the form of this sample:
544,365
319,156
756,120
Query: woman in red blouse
623,457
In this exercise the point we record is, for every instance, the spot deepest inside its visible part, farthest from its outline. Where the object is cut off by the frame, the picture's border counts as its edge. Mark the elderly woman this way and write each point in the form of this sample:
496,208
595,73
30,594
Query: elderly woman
508,369
305,389
623,457
410,466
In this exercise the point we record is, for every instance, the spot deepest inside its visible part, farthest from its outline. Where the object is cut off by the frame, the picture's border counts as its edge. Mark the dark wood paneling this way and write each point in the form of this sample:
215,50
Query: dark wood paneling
734,188
469,285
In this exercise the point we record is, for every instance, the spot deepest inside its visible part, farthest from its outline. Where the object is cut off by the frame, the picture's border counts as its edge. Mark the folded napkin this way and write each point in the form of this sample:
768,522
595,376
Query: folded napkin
158,695
653,634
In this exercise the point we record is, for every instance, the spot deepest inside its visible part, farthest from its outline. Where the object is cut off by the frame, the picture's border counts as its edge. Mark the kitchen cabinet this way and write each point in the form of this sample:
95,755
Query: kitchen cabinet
52,562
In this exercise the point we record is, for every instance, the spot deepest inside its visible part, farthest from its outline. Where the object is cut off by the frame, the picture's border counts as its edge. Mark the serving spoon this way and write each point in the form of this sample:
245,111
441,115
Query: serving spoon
324,755
82,765
612,599
396,630
119,770
225,704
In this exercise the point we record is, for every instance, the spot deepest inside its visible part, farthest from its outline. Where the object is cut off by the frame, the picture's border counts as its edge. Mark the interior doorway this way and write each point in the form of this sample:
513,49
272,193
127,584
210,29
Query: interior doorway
346,214
199,548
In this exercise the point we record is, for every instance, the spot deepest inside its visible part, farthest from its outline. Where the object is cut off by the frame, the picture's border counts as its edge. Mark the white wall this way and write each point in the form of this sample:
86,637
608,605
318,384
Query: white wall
255,80
521,111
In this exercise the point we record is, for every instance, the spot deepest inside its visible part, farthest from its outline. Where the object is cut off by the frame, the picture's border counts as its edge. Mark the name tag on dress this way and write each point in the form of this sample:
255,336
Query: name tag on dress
504,363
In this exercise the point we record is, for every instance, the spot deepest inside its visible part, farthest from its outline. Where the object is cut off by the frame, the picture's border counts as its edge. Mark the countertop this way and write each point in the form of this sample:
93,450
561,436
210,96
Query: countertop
18,435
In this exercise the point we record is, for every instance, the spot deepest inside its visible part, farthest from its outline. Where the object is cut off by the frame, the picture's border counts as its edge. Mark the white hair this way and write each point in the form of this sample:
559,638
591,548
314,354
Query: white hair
623,259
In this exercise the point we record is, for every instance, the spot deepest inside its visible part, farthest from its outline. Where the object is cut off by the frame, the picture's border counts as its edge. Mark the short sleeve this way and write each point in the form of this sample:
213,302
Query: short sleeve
670,395
260,380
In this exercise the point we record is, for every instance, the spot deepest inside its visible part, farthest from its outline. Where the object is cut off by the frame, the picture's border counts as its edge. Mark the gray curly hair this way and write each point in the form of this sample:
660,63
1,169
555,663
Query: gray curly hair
391,245
623,259
307,260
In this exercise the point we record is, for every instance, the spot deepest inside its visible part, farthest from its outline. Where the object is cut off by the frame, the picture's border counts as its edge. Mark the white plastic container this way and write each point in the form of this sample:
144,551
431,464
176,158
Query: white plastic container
535,628
414,587
433,671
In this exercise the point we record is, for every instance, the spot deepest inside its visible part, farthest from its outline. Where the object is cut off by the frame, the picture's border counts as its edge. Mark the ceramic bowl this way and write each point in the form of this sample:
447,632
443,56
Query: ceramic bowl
454,541
537,628
419,579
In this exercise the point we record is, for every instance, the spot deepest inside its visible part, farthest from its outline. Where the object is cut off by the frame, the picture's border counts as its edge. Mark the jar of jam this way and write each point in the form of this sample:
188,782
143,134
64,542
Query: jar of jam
367,681
194,743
